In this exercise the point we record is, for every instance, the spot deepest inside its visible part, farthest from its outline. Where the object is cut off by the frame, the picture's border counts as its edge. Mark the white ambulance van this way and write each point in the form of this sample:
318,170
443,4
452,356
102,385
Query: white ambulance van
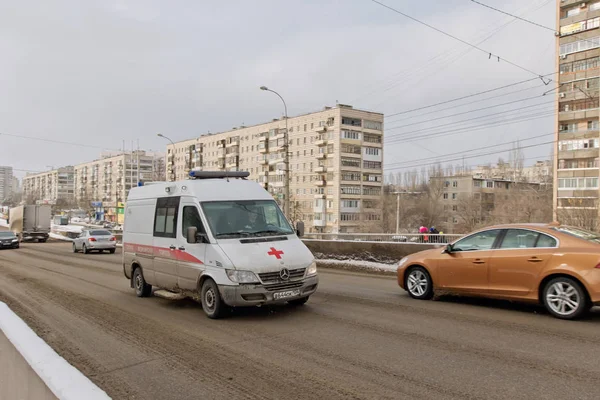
218,238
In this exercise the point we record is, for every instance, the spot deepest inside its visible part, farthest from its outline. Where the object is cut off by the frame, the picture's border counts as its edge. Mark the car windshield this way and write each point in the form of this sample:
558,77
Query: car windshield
7,235
245,218
580,233
100,233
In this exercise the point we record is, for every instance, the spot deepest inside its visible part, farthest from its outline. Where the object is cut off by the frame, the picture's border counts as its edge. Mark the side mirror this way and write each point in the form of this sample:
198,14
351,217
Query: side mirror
448,249
300,228
192,234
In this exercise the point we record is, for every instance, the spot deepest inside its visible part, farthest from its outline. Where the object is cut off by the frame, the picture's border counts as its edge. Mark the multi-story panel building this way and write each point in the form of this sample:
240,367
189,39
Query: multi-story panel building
6,183
335,164
109,179
471,197
50,186
577,138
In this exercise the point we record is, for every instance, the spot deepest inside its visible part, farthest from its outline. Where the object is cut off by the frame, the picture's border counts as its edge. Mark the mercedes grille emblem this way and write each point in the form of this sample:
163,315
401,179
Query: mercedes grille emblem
284,274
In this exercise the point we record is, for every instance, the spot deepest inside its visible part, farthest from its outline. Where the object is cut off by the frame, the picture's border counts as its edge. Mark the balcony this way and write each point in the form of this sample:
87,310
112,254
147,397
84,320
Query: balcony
321,169
233,142
321,128
277,184
263,138
277,160
221,153
320,182
263,149
321,156
319,196
263,161
321,141
319,222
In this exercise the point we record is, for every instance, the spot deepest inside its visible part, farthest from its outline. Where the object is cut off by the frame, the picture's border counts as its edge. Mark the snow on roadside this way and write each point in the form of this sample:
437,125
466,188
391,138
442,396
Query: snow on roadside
358,265
67,228
60,237
3,223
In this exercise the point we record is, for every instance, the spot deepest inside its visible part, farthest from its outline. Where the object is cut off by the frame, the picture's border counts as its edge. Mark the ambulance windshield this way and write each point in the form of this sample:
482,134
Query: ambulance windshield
245,218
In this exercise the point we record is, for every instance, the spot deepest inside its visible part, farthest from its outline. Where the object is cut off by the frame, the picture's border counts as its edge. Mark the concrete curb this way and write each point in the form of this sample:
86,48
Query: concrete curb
64,380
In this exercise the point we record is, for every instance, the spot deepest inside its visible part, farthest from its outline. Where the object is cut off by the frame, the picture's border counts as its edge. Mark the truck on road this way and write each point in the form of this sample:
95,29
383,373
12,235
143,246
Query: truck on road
30,222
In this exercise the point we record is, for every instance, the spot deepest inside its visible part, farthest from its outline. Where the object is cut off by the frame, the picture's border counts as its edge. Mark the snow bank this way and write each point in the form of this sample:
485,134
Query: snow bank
3,223
358,265
64,380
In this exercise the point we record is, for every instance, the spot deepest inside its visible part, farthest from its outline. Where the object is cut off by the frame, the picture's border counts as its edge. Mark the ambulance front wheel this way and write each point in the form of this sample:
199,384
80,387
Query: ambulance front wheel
211,300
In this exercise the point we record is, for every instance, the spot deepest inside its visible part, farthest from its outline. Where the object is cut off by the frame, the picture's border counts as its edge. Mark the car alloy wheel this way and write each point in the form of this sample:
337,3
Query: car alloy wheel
417,282
563,298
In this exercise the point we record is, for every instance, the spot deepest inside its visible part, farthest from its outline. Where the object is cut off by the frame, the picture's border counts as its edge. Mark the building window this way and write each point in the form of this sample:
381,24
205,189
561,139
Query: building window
350,190
454,196
350,148
354,135
578,105
454,183
445,196
580,144
371,151
371,191
577,183
375,125
350,203
350,217
351,121
372,138
372,164
477,184
580,45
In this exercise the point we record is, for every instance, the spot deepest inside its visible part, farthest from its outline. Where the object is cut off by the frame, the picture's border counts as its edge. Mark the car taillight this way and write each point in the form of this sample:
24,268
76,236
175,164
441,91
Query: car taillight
92,239
112,239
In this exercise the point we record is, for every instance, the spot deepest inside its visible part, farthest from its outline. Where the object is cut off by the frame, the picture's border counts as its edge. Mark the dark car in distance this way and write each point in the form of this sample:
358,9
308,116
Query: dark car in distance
8,240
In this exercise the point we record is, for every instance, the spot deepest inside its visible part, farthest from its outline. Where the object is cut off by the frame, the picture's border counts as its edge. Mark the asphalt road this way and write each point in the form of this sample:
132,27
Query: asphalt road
359,337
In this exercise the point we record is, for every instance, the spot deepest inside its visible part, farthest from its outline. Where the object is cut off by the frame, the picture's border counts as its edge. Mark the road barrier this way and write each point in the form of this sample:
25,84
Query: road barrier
386,237
31,370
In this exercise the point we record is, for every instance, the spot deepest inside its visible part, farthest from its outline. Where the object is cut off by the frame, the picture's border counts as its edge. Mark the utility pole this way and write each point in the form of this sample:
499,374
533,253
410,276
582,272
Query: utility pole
286,158
397,212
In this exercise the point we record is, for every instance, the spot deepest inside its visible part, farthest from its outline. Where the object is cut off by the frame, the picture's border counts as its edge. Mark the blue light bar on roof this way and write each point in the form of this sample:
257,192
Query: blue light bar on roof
218,174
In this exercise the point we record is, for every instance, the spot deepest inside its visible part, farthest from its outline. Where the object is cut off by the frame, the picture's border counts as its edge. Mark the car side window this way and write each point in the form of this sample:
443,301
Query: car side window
190,218
165,217
478,241
519,239
546,241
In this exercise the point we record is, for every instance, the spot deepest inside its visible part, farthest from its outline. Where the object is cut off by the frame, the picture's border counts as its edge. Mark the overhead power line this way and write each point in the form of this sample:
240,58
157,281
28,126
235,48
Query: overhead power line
514,16
467,112
468,96
487,125
470,156
490,54
56,141
473,149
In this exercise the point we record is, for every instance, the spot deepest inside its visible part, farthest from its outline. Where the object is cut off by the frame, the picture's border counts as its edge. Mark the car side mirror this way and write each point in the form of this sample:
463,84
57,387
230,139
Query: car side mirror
300,228
448,249
192,234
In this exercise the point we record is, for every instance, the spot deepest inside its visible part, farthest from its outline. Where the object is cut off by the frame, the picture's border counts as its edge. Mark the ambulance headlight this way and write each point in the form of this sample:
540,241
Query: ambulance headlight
242,276
312,269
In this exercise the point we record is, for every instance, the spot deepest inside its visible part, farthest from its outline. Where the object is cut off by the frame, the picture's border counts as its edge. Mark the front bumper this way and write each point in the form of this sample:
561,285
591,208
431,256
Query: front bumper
9,245
257,294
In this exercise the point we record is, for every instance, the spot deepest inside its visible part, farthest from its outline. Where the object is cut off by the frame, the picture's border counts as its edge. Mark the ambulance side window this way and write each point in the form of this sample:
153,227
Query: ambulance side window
191,218
165,217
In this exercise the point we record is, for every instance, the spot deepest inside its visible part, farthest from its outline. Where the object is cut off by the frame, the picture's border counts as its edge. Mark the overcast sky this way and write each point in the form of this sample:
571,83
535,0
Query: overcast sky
96,73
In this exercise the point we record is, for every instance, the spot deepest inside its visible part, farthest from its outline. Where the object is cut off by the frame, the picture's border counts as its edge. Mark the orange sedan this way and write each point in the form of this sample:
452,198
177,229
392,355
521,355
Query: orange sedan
556,265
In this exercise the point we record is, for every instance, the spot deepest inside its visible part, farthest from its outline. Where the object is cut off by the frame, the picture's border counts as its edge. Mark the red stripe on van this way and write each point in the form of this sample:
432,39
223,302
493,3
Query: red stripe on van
163,252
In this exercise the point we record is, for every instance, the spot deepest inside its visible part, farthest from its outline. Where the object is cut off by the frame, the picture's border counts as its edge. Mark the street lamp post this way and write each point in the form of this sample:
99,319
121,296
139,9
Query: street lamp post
286,158
172,154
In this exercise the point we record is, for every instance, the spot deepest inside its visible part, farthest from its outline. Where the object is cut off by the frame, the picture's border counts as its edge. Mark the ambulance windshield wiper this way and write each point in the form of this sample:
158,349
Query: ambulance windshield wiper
270,231
232,234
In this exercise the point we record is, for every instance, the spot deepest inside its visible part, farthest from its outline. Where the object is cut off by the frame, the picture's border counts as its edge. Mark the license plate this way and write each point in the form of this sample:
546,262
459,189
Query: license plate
285,295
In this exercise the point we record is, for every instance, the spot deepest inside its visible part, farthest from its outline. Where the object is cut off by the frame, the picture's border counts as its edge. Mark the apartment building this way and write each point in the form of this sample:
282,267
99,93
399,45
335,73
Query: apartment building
578,140
468,196
50,186
6,183
335,164
540,172
105,183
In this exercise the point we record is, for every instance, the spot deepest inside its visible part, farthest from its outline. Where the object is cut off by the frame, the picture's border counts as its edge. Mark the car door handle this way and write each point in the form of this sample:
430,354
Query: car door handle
535,259
478,261
172,247
182,248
